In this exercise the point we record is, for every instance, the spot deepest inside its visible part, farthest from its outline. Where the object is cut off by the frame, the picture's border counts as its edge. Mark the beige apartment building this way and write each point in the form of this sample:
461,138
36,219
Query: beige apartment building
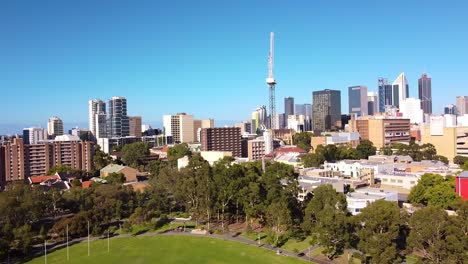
382,131
180,127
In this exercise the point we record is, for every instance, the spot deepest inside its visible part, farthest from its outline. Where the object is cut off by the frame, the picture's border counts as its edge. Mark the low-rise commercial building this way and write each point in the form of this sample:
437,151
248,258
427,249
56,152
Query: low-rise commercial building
448,141
336,138
382,131
362,197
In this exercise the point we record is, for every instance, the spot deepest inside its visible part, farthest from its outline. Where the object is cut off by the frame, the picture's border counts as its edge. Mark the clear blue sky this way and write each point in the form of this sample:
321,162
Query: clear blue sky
209,58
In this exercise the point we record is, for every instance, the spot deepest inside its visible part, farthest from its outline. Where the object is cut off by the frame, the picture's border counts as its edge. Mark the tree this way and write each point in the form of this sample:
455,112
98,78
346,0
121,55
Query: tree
460,160
326,220
428,151
302,140
365,149
441,158
435,190
154,167
100,158
379,226
328,152
311,160
465,166
178,151
386,151
115,178
433,235
134,154
279,219
227,181
346,152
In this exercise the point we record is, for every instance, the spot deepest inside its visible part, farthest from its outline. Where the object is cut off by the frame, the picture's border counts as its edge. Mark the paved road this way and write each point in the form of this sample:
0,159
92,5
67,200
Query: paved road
301,255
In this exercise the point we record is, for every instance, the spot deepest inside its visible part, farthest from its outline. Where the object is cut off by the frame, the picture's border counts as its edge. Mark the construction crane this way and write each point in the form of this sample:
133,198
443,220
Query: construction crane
271,82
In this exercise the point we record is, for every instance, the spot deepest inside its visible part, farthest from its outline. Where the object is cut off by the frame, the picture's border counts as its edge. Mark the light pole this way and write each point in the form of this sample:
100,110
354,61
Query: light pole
108,241
45,251
88,238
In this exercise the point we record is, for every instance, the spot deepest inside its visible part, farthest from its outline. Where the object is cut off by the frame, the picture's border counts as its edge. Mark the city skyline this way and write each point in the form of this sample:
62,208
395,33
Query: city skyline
219,66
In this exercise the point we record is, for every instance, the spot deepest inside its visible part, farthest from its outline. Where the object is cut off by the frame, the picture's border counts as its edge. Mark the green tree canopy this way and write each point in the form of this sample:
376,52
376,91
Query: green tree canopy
379,226
460,160
365,149
303,140
134,154
435,235
325,219
178,151
115,178
434,190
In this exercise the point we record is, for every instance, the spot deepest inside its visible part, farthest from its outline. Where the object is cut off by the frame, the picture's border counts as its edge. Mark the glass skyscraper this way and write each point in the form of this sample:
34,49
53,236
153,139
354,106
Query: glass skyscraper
425,93
385,94
357,96
117,119
326,109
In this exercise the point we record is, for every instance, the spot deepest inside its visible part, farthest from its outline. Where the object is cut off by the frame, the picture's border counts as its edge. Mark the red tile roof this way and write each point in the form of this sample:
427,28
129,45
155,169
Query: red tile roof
290,150
39,179
86,184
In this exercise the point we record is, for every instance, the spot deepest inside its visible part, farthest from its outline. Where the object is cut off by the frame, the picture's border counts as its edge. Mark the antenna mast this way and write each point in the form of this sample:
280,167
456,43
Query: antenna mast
272,82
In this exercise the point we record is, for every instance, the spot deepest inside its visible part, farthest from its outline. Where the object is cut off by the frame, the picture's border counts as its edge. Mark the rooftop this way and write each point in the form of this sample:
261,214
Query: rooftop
111,168
43,178
464,174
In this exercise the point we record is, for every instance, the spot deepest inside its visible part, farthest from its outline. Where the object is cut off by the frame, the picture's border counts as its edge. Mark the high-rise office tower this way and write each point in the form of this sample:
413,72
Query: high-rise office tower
326,109
299,109
451,110
55,126
462,105
95,107
288,106
303,110
385,94
401,86
117,119
372,103
425,93
180,127
32,135
135,126
357,96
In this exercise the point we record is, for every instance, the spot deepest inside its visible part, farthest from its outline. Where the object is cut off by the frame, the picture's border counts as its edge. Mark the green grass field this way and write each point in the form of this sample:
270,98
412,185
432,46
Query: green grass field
166,249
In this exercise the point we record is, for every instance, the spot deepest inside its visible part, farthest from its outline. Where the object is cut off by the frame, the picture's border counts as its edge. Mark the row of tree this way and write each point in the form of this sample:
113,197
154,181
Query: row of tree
332,153
225,193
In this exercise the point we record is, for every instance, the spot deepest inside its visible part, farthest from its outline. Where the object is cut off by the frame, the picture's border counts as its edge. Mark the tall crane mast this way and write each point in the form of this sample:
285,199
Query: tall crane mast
270,80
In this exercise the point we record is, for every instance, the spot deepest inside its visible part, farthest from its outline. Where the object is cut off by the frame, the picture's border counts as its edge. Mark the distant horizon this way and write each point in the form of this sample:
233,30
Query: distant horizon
17,129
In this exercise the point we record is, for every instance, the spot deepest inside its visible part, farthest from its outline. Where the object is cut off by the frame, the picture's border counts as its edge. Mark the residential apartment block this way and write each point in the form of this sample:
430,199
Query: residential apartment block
222,139
180,127
23,160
